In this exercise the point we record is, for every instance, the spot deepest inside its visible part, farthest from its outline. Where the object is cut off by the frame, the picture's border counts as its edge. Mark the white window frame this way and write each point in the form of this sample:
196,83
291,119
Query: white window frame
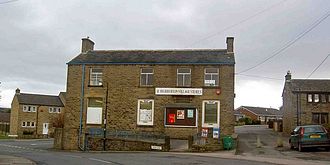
152,112
203,114
211,74
33,124
29,108
310,98
54,110
25,108
90,114
23,124
183,78
147,77
316,98
98,79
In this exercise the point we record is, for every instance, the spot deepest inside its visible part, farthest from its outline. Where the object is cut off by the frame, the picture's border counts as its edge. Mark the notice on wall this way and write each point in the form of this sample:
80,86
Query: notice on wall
205,131
145,115
94,115
216,132
190,113
180,114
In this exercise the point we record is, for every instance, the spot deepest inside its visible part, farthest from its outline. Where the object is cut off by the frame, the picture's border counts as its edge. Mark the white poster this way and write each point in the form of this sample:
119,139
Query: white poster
145,115
94,115
190,113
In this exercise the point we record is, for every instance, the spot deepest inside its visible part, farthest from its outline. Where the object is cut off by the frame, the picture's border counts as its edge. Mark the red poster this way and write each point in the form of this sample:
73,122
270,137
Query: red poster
171,118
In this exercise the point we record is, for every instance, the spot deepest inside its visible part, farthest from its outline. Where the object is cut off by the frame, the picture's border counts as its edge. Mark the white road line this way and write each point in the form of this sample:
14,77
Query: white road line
100,160
73,156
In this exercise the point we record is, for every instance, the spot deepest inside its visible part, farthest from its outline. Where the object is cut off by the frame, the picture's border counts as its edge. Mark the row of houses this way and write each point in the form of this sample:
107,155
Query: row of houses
174,93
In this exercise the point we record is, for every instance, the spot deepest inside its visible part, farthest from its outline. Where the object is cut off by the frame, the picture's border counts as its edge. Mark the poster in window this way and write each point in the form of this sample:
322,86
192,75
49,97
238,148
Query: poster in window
205,131
180,114
190,113
171,118
94,115
215,132
145,115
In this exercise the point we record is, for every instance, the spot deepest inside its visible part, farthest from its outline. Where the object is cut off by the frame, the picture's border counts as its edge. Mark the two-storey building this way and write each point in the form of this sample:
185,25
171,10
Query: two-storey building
172,92
32,114
305,101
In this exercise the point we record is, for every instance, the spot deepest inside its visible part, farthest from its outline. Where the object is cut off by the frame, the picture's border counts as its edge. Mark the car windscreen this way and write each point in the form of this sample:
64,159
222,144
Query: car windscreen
313,130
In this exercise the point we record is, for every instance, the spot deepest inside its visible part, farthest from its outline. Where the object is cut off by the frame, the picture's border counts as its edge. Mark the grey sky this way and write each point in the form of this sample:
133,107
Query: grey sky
38,37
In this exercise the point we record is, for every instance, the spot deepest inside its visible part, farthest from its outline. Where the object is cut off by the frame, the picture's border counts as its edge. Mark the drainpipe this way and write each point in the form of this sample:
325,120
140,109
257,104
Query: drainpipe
105,119
81,107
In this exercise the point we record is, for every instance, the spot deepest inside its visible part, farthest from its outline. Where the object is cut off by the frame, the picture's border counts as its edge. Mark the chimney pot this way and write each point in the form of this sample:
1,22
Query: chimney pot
230,44
18,91
87,45
288,76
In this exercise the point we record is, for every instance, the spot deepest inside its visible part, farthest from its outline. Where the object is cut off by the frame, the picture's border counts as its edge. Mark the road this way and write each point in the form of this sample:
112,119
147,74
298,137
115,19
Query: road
247,145
40,151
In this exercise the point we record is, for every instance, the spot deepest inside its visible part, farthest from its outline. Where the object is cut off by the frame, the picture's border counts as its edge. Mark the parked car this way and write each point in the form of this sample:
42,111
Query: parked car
309,136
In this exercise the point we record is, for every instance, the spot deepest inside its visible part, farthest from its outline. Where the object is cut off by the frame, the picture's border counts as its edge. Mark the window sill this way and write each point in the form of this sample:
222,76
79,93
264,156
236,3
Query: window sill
211,87
100,86
146,86
141,125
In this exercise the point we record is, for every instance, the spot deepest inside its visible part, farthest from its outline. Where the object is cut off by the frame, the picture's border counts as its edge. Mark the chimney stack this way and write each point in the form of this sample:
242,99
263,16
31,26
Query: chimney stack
18,91
86,45
288,76
230,44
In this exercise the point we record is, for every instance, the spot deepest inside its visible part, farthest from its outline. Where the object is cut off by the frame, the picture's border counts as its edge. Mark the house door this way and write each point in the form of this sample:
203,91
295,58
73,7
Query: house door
45,128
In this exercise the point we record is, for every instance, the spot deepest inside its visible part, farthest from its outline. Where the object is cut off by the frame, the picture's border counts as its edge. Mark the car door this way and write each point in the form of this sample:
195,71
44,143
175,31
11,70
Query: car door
295,136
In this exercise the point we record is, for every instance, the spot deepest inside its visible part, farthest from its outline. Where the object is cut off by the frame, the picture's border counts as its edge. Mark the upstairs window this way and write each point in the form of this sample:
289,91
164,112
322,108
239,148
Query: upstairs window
147,76
211,77
28,108
323,98
54,110
95,77
309,98
316,98
184,77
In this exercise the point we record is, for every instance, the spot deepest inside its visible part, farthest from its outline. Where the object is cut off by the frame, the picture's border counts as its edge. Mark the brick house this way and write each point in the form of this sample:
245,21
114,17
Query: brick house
32,114
260,113
305,101
171,92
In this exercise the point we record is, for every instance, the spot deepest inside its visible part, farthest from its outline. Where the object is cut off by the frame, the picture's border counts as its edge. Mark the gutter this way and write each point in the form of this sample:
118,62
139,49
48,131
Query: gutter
81,107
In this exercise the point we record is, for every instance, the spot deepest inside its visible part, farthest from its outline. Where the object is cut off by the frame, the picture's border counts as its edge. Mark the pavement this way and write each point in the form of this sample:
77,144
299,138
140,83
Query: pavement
9,160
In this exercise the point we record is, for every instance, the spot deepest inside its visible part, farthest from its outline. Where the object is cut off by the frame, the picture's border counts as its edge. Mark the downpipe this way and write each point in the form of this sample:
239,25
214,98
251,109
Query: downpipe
81,147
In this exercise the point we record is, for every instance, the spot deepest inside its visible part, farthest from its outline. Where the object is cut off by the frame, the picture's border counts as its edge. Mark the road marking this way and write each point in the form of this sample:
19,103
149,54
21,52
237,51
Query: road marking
73,156
33,144
100,160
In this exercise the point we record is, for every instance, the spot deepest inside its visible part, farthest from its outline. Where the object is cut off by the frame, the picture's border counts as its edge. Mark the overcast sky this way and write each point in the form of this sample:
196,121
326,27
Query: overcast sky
38,38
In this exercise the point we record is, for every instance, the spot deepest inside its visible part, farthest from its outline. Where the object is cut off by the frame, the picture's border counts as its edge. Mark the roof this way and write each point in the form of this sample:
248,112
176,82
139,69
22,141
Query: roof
36,99
184,56
5,117
263,111
312,85
237,113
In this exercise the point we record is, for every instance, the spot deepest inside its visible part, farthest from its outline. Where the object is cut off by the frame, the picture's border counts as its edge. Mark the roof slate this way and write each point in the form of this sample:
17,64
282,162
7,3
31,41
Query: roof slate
264,111
185,56
312,85
36,99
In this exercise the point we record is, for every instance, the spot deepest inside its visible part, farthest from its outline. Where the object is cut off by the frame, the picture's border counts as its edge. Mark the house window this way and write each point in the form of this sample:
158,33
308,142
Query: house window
211,77
95,77
323,98
32,124
27,108
184,77
211,113
94,111
28,124
145,114
50,109
309,98
54,110
320,118
147,76
23,124
316,98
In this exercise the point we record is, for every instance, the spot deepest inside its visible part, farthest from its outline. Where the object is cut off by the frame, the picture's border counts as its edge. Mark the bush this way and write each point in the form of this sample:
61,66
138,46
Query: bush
256,122
245,120
58,122
27,132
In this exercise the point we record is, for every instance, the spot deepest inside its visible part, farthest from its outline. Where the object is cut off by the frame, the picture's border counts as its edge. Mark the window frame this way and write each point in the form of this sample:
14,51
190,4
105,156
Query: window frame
89,109
212,74
210,125
151,123
23,124
319,116
98,79
147,77
318,97
183,78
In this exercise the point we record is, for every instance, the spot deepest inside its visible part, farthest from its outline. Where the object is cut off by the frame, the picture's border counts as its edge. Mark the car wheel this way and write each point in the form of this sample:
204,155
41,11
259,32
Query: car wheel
300,148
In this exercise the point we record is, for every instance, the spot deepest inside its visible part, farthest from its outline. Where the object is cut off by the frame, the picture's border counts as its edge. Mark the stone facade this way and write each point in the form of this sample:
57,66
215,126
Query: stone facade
121,91
298,109
38,117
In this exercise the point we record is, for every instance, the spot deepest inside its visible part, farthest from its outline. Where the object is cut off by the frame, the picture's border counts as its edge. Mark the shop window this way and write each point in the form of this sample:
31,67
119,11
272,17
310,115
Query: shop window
320,118
145,113
94,111
211,77
95,77
184,77
147,76
211,113
181,117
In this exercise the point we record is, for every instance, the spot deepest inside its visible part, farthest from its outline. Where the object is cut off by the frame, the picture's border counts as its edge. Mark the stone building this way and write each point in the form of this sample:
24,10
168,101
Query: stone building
170,92
305,101
32,114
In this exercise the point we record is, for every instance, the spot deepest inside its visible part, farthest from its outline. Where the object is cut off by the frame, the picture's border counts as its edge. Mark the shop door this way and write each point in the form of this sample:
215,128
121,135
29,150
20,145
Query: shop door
45,128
